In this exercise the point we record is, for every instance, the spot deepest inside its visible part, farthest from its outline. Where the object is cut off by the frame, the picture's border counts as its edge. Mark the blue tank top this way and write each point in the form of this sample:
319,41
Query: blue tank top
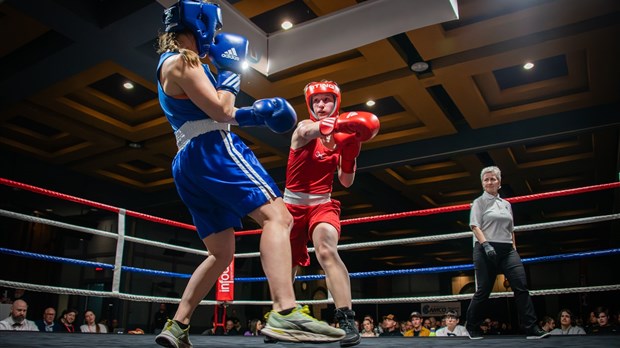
178,111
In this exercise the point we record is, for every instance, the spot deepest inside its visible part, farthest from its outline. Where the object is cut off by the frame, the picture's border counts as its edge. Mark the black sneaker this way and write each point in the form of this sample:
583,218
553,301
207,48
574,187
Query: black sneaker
536,333
270,340
346,320
474,334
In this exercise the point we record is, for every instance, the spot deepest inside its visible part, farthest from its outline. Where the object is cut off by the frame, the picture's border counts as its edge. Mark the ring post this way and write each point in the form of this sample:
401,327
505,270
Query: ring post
118,259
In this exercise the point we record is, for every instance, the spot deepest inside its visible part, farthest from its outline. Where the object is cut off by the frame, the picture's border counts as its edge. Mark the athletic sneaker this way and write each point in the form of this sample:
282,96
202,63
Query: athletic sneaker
473,333
300,326
536,333
172,336
346,321
270,340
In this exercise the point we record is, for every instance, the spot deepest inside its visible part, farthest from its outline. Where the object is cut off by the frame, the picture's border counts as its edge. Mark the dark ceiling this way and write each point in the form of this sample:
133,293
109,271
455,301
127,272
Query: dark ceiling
66,124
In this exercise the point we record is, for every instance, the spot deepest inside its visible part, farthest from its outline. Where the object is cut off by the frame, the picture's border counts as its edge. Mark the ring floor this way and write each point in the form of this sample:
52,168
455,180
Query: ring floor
41,339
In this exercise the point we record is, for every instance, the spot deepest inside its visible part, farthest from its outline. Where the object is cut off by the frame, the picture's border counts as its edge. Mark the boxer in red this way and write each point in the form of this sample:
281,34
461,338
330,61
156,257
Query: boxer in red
325,143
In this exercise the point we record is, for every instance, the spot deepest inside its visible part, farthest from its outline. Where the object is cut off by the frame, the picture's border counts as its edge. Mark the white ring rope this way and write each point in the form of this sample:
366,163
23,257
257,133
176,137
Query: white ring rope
120,237
458,235
403,241
579,221
447,298
39,220
97,232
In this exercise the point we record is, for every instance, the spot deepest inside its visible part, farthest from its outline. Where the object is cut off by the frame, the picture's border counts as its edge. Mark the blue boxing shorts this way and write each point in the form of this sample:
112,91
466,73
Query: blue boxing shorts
220,180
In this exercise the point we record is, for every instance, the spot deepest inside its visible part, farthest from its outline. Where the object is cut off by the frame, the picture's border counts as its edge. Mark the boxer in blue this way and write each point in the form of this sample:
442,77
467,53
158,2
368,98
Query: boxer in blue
217,176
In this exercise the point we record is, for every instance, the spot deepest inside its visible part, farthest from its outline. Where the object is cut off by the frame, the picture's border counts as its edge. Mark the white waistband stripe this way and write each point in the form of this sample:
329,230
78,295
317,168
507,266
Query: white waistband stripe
192,129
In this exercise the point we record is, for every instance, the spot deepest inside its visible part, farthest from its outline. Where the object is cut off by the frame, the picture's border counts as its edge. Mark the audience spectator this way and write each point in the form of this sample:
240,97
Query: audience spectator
417,330
439,324
215,330
390,327
114,327
548,324
579,322
567,327
417,326
4,296
494,327
591,322
17,321
433,321
452,328
505,329
231,329
8,296
67,318
377,327
19,294
237,324
160,319
90,323
48,323
256,325
405,326
368,329
605,326
484,328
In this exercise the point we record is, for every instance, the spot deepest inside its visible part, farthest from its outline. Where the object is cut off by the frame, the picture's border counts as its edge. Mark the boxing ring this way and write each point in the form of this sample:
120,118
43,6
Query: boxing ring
118,269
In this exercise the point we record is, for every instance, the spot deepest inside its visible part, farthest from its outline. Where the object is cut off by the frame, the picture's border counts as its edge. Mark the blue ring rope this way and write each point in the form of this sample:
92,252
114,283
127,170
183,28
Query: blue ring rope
426,270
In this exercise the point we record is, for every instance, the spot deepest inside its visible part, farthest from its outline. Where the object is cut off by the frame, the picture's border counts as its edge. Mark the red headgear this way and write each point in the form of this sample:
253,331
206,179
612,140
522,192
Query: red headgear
324,86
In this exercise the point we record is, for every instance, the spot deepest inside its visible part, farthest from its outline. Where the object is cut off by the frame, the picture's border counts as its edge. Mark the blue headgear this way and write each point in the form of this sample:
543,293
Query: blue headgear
202,18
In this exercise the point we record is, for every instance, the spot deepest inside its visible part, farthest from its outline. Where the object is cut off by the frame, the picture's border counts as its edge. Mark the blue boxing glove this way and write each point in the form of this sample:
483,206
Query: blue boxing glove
275,113
227,53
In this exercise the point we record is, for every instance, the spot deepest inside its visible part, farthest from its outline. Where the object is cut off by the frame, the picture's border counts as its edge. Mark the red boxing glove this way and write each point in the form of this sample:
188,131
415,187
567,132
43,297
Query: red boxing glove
363,124
349,148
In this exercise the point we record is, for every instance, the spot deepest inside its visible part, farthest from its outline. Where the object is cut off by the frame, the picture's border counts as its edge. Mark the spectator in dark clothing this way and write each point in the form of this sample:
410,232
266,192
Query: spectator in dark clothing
160,319
48,323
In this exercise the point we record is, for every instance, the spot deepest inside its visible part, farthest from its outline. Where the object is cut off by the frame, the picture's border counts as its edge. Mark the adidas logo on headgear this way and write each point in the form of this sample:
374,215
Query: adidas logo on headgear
231,54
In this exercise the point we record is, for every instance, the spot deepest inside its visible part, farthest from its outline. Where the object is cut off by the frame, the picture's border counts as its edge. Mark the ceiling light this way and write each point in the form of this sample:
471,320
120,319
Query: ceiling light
245,65
419,67
370,103
128,85
528,65
286,25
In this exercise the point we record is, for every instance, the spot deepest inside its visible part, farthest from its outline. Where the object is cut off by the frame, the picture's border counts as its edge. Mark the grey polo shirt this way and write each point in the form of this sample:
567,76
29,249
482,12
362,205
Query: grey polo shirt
493,216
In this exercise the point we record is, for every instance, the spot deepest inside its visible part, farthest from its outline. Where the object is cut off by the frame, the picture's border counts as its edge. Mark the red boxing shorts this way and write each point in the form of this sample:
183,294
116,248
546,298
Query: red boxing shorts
306,217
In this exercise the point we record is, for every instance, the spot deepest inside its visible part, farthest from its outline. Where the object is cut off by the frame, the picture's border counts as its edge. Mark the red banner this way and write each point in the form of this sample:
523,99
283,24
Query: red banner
225,287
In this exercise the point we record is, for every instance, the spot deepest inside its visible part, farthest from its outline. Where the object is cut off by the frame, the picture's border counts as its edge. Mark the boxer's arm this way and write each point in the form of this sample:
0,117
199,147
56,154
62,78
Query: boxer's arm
346,179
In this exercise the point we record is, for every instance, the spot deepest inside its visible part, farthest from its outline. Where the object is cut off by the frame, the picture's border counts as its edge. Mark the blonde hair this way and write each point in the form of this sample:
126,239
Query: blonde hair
167,42
493,170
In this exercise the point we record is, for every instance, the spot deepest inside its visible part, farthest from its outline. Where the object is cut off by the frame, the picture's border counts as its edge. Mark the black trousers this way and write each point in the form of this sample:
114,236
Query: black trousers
509,263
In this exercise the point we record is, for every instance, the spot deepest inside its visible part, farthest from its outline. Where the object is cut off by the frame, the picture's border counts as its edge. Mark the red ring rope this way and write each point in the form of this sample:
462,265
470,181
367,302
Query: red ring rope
383,217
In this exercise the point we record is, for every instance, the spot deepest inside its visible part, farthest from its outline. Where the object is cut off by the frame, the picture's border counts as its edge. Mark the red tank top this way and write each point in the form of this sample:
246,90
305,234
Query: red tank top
310,168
